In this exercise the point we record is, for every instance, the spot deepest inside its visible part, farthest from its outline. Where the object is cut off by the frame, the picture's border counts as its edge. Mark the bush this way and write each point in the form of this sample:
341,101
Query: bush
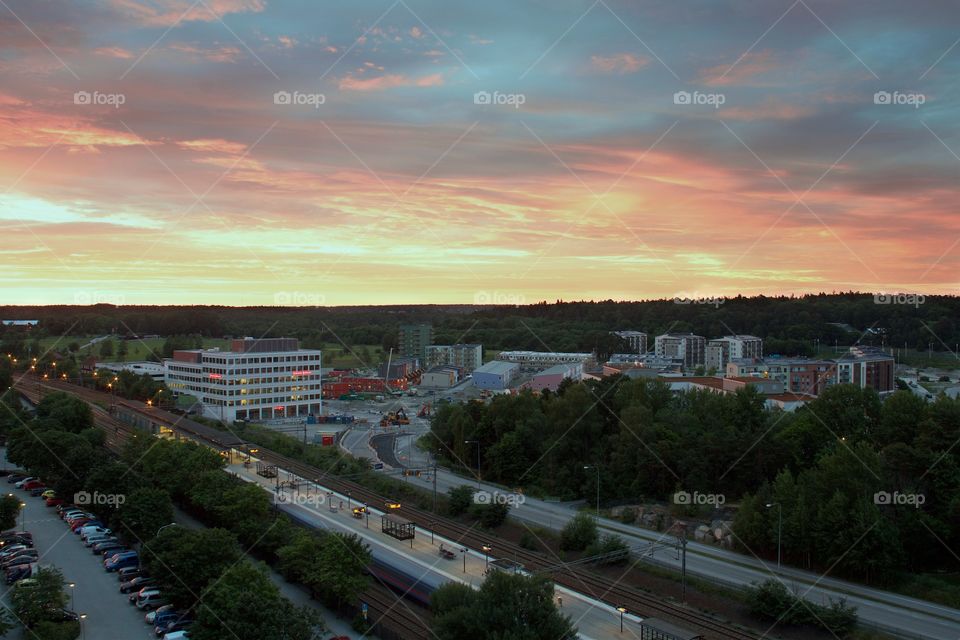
628,515
528,541
771,600
490,515
579,533
461,499
613,547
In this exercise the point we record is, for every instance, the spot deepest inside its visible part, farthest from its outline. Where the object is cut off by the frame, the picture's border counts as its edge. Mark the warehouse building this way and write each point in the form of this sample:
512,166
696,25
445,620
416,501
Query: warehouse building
552,378
496,375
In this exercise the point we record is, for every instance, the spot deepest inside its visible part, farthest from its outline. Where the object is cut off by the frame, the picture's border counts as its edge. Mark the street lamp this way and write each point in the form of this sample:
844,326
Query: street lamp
83,634
597,467
486,556
476,442
779,528
71,585
23,516
172,524
622,611
463,550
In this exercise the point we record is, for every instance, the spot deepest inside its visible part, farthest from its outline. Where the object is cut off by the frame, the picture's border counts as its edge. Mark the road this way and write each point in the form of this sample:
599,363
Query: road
902,615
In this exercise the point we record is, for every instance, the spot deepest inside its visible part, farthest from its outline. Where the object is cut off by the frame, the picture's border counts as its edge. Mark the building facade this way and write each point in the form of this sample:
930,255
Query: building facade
465,356
637,340
413,340
552,377
867,368
495,375
542,357
442,377
686,347
263,379
721,350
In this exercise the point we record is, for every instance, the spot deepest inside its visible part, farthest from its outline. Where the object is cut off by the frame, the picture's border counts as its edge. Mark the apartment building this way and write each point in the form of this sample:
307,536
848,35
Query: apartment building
413,340
257,379
543,357
465,356
688,348
720,351
636,340
866,367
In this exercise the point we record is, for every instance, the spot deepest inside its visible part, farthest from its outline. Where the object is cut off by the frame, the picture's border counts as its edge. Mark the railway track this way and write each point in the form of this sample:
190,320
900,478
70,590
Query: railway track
575,578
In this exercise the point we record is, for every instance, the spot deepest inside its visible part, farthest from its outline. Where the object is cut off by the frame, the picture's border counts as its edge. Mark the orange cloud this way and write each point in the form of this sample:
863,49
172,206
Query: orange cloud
389,81
740,71
166,13
213,145
619,63
113,52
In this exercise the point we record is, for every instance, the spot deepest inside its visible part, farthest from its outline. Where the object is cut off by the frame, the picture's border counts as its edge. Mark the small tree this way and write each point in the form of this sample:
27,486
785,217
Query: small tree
579,533
461,498
9,511
106,349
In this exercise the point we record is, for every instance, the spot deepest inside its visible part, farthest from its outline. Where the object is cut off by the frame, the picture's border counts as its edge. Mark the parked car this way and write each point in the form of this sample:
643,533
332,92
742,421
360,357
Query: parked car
79,522
94,529
98,539
19,483
49,493
19,572
62,615
130,573
15,534
53,502
150,601
36,492
19,561
163,615
30,485
11,549
120,561
108,545
136,584
177,635
25,539
17,477
26,553
63,508
171,626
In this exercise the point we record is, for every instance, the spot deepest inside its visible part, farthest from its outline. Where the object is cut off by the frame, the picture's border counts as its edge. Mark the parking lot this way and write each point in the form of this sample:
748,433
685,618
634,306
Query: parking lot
97,593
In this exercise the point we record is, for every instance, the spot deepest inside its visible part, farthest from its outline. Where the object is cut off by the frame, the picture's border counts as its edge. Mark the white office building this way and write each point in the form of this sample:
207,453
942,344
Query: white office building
258,379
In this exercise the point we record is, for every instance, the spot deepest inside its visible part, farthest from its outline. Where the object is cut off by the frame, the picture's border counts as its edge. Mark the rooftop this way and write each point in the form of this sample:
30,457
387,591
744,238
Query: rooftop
496,367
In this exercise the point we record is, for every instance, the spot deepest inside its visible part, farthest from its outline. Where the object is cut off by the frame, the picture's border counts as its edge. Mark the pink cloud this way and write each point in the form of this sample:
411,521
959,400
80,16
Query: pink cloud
114,52
619,63
739,72
216,54
213,145
166,13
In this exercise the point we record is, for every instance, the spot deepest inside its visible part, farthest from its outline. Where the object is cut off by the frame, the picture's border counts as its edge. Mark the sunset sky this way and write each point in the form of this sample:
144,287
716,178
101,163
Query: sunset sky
148,153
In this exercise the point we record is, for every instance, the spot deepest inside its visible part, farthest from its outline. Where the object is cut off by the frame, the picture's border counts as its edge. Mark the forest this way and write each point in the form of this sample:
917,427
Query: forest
841,469
789,325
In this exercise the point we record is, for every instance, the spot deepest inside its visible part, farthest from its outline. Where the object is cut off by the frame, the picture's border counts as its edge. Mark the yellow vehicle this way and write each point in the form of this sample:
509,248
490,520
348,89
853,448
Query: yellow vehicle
49,493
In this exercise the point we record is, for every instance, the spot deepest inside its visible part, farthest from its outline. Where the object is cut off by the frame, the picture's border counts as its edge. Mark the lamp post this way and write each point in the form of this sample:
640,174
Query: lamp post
83,633
779,528
71,585
172,524
463,550
23,516
597,467
486,557
476,442
622,611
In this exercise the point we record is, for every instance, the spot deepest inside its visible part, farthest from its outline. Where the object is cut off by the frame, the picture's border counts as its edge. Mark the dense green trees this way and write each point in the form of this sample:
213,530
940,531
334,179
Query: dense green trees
511,606
772,601
822,464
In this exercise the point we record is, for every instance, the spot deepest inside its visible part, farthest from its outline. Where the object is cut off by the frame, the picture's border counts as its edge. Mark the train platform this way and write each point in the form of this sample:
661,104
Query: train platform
420,556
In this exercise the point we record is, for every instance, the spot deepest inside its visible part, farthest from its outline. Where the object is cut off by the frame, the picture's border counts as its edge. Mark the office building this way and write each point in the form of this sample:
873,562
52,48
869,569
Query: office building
496,375
686,347
258,379
465,356
636,340
414,339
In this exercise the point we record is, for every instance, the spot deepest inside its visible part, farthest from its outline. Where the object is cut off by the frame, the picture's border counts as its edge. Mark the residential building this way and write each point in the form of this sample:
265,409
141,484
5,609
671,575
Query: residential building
399,368
798,375
258,379
333,389
466,356
721,350
414,339
866,367
686,347
637,340
543,357
495,375
552,377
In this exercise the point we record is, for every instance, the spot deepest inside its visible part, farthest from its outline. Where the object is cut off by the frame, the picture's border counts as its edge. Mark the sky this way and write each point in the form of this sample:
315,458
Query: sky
306,152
